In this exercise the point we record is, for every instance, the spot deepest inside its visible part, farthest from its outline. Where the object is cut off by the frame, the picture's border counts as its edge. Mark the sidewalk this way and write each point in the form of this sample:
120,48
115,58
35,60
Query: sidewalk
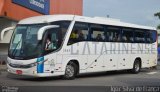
3,68
3,59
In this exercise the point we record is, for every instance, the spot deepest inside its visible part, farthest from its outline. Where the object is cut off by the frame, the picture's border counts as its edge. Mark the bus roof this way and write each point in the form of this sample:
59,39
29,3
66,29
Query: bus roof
97,20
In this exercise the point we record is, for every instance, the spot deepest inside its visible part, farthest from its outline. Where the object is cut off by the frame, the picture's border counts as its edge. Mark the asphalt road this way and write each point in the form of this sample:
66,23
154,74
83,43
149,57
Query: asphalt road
94,81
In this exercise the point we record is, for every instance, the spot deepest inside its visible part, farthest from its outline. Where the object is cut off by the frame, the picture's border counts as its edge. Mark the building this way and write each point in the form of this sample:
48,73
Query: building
11,11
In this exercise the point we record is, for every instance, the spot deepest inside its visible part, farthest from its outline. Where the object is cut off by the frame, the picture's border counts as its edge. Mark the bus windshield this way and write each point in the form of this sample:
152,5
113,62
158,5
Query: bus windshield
24,42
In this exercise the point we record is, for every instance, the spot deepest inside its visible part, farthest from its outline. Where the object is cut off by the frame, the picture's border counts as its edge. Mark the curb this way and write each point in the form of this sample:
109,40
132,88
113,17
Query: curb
3,68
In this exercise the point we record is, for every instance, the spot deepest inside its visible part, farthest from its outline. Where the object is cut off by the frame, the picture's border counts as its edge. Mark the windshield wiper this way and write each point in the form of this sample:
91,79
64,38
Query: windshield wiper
14,50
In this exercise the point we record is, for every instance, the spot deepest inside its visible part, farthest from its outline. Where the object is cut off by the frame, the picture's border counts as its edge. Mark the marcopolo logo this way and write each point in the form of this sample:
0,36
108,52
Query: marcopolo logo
39,3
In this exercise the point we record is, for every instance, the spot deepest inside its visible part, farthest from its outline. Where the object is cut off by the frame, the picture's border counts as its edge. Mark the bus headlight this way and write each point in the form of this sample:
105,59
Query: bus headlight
32,65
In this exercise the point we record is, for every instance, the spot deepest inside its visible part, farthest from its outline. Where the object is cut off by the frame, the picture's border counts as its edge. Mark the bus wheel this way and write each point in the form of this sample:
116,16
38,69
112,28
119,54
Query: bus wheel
70,71
136,67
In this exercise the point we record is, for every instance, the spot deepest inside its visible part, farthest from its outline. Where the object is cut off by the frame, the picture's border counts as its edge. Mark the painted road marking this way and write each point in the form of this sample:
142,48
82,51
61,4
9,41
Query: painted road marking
152,73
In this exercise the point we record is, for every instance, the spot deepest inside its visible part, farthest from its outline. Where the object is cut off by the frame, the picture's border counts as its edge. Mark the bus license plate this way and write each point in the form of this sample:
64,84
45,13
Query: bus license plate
18,71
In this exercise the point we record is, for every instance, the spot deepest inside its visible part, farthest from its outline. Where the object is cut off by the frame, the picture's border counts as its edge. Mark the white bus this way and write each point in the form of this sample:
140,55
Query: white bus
67,45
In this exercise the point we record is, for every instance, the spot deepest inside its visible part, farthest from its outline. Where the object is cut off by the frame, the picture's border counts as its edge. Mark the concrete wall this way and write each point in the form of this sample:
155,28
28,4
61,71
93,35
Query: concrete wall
3,52
3,49
4,23
4,44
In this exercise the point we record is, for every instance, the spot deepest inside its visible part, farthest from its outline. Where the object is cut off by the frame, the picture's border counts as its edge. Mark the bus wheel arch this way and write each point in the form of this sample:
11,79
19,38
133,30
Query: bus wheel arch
77,63
137,65
71,70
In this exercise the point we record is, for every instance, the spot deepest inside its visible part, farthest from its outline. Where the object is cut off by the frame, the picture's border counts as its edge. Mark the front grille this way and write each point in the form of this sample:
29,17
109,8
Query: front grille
19,66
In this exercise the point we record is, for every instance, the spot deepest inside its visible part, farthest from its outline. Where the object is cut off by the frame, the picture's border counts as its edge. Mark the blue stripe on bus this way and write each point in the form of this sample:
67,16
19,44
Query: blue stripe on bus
40,66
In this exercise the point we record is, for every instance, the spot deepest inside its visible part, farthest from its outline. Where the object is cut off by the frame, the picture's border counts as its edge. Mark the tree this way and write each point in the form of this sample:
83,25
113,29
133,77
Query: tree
157,15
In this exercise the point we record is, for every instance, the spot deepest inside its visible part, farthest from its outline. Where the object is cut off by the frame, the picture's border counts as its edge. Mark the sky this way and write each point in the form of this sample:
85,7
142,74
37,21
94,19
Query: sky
133,11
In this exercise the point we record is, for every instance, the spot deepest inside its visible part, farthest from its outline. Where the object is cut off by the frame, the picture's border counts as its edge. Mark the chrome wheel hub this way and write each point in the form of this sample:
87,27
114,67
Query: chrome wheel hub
137,67
69,71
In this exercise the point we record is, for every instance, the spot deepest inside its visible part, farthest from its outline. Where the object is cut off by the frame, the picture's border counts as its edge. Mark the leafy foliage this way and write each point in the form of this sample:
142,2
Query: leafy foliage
157,15
158,27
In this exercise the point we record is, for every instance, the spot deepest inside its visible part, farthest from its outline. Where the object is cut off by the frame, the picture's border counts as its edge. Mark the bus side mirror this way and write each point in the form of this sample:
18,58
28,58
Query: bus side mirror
43,29
5,30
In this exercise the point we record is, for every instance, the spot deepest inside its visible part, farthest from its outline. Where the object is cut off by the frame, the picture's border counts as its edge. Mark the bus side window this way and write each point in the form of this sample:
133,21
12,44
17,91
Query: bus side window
113,34
63,26
148,37
139,36
107,36
79,33
127,35
153,36
97,33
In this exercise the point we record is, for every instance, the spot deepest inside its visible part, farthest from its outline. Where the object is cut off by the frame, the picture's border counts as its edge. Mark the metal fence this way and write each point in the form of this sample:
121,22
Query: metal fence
3,59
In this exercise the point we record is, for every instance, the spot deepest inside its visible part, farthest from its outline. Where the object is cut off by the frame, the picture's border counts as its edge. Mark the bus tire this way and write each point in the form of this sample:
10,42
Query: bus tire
70,71
136,67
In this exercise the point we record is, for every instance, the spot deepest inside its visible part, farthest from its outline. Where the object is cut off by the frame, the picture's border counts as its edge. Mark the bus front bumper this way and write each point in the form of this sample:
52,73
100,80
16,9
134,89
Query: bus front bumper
31,72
